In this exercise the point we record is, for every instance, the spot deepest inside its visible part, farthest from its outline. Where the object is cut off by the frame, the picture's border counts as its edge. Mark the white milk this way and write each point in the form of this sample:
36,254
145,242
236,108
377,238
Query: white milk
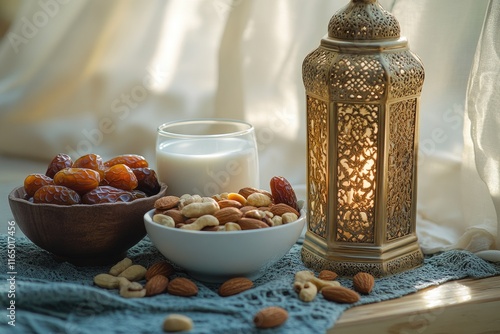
207,166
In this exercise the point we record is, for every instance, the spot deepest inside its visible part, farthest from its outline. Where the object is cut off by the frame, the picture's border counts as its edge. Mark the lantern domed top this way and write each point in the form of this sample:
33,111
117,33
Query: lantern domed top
363,20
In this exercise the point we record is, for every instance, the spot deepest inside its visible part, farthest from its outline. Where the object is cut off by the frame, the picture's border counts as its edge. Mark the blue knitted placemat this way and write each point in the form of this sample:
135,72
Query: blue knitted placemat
53,297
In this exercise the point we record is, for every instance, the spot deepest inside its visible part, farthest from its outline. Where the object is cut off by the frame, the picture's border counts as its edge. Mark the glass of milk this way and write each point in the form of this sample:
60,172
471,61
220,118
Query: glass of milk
207,156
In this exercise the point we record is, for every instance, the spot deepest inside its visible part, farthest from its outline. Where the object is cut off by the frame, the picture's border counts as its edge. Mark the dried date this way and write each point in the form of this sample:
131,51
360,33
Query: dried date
147,180
107,194
92,161
120,176
59,162
80,180
54,194
33,182
283,192
131,160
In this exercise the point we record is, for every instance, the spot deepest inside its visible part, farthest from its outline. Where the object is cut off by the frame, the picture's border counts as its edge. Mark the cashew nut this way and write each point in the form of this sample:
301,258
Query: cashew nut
107,281
132,290
187,199
195,210
258,199
177,323
289,217
305,276
277,220
308,292
232,227
164,220
203,221
120,266
133,273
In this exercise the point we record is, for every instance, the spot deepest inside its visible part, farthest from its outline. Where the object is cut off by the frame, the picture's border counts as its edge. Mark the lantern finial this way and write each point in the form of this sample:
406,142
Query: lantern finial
363,20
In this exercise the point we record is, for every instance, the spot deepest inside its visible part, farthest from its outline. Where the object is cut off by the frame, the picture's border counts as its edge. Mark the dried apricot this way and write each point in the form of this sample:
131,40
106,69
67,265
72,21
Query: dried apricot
80,180
33,182
283,192
107,194
147,180
54,194
131,160
120,176
59,162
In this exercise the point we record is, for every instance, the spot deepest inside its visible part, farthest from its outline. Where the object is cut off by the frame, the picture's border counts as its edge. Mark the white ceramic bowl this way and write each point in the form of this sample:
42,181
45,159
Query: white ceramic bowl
216,256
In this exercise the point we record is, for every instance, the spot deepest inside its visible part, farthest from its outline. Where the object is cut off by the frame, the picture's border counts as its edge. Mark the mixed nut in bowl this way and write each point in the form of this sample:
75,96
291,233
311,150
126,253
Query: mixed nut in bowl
82,217
227,235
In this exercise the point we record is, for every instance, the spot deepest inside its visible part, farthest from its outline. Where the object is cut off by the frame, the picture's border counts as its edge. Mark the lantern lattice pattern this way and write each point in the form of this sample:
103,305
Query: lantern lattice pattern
363,87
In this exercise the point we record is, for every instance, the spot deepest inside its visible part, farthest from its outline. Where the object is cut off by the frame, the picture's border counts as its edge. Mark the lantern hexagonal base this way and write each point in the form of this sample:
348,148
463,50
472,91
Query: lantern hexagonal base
350,261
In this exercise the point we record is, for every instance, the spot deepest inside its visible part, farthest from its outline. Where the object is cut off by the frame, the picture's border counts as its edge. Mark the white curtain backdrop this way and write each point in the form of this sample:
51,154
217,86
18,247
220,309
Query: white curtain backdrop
100,76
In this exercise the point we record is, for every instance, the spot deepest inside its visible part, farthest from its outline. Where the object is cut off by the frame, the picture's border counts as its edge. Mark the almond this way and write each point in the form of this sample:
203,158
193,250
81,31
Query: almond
181,286
229,203
234,286
159,268
251,223
229,214
327,275
246,208
340,294
363,282
166,202
281,208
270,317
156,285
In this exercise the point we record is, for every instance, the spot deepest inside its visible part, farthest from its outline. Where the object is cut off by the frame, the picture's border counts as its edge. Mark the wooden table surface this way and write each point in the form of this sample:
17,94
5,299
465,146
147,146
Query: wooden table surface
470,306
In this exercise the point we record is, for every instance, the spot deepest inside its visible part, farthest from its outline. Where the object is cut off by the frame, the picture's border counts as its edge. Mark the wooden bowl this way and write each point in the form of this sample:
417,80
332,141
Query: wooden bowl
83,234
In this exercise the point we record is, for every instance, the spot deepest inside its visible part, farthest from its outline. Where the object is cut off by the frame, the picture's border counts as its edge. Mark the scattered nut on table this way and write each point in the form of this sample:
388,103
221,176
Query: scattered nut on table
177,323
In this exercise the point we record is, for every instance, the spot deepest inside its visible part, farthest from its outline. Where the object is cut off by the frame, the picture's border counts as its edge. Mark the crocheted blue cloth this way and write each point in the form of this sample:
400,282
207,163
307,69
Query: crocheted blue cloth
53,297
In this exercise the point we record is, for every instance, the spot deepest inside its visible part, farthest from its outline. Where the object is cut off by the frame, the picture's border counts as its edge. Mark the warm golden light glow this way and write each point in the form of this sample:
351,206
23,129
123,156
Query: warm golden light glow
444,295
362,86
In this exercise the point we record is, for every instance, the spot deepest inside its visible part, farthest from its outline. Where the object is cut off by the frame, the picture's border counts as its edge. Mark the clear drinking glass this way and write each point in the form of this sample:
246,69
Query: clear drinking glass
207,156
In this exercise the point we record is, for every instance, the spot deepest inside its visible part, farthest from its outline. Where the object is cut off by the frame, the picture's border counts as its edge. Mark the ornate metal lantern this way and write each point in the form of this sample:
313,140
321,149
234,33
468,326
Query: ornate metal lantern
363,88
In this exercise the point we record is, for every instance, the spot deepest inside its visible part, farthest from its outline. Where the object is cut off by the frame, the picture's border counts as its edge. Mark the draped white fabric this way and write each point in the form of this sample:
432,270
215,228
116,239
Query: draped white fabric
100,76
